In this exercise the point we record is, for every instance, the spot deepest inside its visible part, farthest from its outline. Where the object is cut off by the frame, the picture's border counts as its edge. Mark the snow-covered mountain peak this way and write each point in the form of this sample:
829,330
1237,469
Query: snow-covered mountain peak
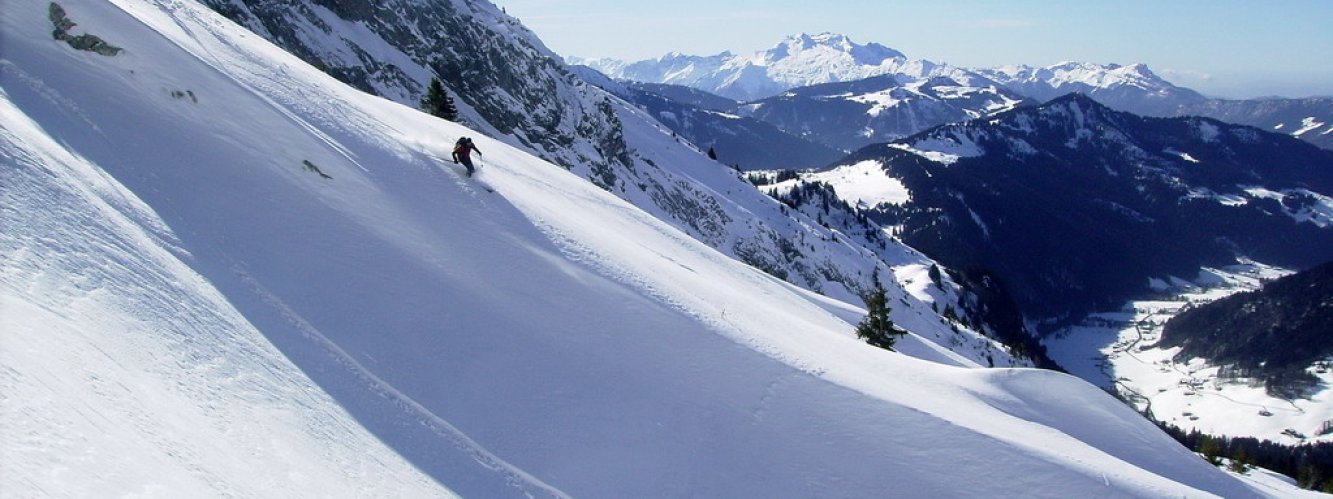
871,54
1068,72
1132,87
796,61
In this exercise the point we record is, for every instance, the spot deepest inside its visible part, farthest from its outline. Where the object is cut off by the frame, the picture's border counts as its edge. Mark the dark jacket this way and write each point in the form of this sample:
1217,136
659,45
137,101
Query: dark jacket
462,152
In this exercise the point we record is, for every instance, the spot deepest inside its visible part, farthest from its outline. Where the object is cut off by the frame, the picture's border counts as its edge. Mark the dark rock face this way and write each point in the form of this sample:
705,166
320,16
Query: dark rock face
85,42
502,73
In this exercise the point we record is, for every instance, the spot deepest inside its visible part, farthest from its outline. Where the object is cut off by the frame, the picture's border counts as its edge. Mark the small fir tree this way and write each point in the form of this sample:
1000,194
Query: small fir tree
712,154
1211,450
437,101
877,328
1239,462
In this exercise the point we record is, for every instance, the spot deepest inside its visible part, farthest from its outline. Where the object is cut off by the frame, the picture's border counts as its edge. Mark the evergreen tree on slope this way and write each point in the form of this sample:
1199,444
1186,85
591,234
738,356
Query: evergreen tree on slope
877,327
438,103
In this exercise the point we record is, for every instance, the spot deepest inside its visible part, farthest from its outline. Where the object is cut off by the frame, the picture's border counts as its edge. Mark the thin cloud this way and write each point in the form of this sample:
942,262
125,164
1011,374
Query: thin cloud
999,23
1186,74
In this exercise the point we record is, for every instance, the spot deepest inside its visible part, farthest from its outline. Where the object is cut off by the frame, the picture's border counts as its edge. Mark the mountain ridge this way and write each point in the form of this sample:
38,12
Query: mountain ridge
1133,87
798,60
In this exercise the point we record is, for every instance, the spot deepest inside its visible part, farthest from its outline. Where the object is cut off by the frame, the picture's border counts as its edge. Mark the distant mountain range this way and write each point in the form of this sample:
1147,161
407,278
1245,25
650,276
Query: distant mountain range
805,60
796,61
1133,88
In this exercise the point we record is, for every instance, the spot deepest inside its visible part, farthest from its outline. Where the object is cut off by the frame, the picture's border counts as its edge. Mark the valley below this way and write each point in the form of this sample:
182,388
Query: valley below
1120,351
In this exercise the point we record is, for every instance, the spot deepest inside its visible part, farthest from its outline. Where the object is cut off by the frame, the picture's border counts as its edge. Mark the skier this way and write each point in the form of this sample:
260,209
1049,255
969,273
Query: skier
462,154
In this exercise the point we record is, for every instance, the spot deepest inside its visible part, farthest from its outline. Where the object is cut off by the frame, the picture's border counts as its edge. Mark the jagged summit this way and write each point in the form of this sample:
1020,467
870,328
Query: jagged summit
1133,87
871,54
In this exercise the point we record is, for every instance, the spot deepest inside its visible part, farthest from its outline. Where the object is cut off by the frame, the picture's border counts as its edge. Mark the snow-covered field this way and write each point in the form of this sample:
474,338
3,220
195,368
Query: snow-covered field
1119,349
862,184
225,273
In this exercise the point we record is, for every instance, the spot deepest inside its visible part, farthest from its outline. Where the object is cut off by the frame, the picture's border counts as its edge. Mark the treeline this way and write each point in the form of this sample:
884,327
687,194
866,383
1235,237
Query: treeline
1310,464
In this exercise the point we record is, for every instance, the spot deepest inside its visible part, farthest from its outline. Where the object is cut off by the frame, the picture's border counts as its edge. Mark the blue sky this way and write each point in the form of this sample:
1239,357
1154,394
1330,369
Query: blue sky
1228,48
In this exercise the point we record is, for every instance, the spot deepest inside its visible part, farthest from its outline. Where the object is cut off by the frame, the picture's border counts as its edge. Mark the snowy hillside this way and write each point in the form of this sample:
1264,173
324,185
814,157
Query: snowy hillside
522,95
126,372
179,213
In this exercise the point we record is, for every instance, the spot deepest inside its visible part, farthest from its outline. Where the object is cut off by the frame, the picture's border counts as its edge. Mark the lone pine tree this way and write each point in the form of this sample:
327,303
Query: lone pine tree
877,328
438,103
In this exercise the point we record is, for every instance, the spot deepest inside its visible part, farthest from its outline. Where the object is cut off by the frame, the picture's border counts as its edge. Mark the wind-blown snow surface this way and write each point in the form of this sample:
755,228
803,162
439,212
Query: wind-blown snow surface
548,339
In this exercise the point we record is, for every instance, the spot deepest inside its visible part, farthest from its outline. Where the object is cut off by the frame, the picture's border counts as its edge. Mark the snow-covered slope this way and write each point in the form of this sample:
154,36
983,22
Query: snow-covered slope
521,94
126,372
546,339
